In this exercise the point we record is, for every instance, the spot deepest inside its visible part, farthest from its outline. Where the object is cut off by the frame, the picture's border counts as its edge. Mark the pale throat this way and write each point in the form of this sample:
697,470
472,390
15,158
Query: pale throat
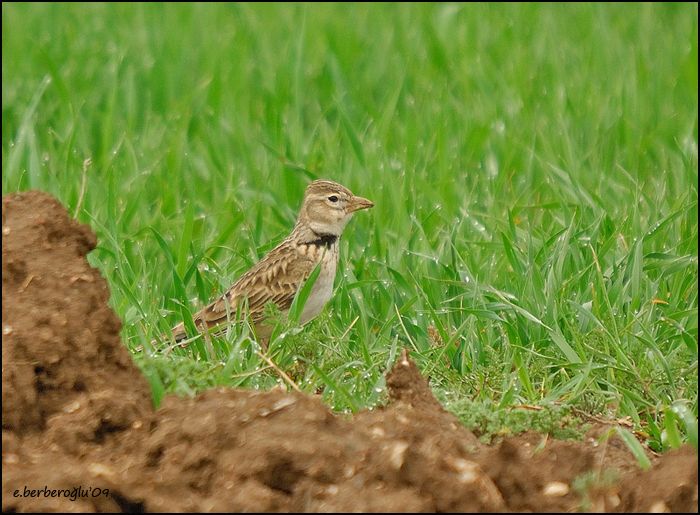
334,227
318,234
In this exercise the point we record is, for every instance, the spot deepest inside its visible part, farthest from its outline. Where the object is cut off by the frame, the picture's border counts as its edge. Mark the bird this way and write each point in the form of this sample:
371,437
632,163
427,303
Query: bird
326,209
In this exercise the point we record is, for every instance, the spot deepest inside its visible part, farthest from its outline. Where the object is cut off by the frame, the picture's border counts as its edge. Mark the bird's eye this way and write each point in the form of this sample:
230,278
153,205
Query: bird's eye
333,198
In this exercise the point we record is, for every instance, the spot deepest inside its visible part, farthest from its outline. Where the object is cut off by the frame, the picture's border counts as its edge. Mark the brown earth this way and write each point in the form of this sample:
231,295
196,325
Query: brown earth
77,413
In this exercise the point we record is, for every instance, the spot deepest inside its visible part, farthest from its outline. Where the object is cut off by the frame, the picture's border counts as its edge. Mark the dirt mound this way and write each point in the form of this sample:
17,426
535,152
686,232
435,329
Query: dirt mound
79,433
671,486
65,372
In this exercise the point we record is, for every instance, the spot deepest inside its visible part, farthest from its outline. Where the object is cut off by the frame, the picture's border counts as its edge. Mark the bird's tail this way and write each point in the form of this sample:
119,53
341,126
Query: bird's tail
178,335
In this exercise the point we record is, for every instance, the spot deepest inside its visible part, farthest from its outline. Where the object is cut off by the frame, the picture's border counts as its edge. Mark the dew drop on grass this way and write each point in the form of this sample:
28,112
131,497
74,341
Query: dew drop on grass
478,226
690,146
491,166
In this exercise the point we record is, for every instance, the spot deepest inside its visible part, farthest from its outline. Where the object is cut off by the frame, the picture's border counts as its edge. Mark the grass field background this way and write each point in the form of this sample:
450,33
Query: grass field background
534,168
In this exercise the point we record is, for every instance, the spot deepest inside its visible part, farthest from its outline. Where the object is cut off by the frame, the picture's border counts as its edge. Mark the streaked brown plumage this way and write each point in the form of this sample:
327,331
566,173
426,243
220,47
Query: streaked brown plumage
325,210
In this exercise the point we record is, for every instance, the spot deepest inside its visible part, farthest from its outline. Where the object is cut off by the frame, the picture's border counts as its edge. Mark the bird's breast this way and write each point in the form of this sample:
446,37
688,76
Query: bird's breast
323,287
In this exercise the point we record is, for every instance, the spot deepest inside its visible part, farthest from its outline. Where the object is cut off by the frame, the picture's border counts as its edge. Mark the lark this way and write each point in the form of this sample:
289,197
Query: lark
325,211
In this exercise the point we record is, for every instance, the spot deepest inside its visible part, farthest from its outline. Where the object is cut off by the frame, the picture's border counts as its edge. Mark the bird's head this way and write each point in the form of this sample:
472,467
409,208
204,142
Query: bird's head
328,206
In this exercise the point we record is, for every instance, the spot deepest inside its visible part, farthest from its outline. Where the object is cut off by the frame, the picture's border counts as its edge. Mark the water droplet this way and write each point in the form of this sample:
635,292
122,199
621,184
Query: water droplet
491,166
478,226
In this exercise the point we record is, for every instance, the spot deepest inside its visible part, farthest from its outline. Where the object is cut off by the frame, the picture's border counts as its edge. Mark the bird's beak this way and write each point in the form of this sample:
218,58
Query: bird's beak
357,203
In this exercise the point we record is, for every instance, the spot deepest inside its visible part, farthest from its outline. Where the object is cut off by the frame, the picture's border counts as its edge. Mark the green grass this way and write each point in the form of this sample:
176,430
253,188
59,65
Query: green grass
534,169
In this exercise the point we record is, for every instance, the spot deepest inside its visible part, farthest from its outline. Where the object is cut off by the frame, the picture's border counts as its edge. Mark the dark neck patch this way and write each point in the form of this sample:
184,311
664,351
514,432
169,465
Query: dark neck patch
324,240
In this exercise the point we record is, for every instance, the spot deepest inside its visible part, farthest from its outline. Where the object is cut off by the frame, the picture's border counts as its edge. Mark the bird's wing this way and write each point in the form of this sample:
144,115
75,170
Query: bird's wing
276,278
